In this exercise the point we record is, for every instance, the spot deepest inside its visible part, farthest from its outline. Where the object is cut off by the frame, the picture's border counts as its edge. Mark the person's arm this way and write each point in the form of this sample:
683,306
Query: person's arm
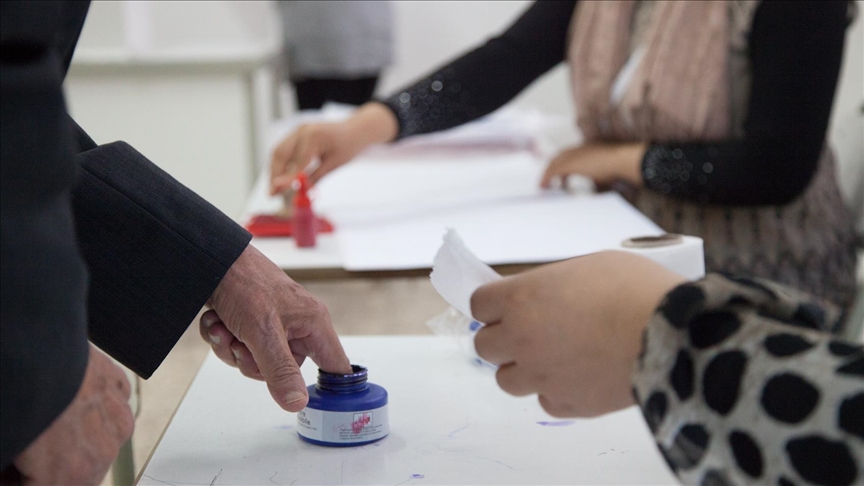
739,380
741,383
155,252
469,87
484,79
795,49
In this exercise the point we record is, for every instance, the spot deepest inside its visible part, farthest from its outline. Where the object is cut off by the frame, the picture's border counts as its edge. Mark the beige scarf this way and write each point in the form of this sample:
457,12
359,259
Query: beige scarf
679,90
684,76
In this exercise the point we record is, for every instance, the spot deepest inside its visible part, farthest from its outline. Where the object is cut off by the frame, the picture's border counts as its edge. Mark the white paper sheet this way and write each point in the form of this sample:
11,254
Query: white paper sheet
391,215
516,230
369,190
457,273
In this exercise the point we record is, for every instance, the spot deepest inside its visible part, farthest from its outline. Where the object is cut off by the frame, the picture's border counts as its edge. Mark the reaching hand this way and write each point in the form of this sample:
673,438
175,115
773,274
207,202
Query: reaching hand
603,163
571,331
332,144
266,324
80,445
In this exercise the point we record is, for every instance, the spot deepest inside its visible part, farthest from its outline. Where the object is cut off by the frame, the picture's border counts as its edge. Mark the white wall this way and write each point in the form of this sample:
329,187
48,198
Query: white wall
180,81
145,25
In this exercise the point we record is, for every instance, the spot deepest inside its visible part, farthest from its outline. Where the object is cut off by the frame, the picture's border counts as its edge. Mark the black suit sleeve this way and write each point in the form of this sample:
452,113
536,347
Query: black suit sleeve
44,347
155,251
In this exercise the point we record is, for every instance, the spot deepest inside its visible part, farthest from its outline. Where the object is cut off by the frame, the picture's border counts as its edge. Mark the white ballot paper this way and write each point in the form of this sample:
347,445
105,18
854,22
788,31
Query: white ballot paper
457,273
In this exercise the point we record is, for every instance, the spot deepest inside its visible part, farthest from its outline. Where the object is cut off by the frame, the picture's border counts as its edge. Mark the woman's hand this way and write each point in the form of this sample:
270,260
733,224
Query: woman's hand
571,331
332,144
604,163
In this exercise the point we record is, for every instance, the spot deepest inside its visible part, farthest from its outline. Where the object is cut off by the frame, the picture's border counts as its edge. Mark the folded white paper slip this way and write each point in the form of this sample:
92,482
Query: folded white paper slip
457,272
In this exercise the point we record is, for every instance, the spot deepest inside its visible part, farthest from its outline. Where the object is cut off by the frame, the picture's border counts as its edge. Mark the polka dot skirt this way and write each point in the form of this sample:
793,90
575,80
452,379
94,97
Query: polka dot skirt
740,383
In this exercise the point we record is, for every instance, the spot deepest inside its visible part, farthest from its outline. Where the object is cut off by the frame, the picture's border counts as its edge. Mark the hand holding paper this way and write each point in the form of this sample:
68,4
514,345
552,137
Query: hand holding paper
457,273
568,331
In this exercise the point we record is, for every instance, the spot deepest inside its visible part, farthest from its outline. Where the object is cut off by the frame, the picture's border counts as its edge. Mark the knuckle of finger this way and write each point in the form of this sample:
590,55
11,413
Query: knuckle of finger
125,388
482,343
249,371
476,301
283,150
321,310
126,425
559,409
505,382
282,374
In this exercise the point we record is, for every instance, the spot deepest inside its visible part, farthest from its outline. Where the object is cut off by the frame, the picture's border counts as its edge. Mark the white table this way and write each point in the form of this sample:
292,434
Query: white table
450,424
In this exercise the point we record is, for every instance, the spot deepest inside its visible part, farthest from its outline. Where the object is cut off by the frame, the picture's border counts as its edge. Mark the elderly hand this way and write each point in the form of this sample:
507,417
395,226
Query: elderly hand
604,163
266,324
571,331
332,144
80,445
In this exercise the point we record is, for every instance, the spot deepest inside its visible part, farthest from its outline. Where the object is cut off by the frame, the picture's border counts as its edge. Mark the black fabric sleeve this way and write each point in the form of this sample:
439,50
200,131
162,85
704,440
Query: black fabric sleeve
155,251
43,281
795,49
487,77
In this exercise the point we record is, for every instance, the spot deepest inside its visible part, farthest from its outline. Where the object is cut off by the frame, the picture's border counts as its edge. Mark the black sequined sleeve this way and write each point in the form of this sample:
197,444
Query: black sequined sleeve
487,77
795,50
740,383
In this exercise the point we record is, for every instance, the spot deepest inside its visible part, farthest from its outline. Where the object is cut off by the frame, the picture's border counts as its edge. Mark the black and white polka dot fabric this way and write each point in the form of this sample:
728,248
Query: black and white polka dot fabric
742,382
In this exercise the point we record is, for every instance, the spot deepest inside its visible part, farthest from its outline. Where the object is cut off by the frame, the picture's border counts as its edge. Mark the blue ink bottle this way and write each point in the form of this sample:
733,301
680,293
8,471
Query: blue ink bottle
344,410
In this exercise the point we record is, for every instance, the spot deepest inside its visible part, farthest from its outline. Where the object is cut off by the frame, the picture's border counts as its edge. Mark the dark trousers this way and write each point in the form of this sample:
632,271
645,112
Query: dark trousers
312,93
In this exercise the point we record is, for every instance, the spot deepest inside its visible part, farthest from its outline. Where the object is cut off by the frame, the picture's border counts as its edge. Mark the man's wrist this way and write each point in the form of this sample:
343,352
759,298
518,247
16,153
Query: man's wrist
235,271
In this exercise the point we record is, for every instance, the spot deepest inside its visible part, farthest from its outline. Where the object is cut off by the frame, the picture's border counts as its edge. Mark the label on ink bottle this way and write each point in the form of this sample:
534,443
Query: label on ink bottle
343,427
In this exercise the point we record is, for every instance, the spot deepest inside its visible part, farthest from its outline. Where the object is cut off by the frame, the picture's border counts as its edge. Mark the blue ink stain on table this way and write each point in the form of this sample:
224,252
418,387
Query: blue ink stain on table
417,476
460,429
557,423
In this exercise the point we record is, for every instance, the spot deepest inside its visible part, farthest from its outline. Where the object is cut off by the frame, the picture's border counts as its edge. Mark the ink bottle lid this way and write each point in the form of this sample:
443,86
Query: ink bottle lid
344,410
